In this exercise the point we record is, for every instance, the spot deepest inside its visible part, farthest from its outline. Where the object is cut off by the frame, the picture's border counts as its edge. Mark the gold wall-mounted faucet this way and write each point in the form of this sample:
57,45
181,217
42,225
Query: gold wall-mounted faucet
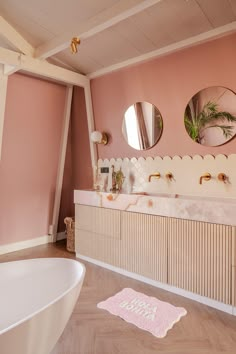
206,177
156,175
222,177
169,176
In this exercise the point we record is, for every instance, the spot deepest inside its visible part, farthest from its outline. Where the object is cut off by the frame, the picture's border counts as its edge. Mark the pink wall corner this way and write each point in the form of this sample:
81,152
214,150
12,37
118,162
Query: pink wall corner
81,158
168,82
30,153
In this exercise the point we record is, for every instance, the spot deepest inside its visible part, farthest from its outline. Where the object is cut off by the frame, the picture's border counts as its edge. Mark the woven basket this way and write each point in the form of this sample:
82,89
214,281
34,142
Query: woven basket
70,230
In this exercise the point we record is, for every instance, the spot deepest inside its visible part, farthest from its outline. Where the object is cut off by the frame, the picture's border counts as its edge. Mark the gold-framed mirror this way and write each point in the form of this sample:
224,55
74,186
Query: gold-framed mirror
142,125
210,116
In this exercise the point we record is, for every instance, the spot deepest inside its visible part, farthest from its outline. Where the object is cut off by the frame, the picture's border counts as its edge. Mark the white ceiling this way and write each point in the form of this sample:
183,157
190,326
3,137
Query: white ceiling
133,28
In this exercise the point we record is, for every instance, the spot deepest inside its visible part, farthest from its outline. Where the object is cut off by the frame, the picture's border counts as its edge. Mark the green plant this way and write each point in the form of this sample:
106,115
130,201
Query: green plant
196,123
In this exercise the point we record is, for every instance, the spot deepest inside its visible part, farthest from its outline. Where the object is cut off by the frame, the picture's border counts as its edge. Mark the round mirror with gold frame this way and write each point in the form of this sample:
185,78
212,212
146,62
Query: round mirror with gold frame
142,125
210,116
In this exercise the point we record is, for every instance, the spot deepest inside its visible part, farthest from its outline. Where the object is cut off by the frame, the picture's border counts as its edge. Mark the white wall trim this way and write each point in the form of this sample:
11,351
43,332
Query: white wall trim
61,236
203,300
21,245
186,43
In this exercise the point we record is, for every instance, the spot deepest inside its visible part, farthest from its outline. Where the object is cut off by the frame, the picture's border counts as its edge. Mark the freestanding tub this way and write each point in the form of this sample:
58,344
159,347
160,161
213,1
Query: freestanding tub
37,297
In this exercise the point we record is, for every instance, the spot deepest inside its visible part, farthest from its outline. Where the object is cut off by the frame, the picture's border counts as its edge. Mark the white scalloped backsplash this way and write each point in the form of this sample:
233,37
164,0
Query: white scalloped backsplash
186,171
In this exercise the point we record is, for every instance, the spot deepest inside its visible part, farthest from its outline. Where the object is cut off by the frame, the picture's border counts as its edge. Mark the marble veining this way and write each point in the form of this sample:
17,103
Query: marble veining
214,210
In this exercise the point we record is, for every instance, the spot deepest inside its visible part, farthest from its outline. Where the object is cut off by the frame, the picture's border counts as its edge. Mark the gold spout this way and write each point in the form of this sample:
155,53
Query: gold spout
169,176
222,177
155,175
206,177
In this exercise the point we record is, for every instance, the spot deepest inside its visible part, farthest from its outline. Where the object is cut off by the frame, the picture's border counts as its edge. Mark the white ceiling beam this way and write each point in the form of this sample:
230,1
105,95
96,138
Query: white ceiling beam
9,69
109,17
186,43
42,68
60,169
15,38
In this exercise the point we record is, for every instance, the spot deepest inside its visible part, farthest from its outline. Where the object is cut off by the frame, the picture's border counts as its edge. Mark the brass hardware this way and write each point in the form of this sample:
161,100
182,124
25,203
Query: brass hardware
169,176
73,44
117,180
222,177
104,139
99,138
206,177
155,175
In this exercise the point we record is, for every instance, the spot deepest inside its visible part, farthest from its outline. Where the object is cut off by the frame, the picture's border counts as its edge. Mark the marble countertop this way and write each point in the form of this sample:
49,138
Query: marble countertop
213,210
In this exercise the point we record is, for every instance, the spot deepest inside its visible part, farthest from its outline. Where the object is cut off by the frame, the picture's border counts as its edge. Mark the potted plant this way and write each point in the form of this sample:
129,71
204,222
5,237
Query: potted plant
209,117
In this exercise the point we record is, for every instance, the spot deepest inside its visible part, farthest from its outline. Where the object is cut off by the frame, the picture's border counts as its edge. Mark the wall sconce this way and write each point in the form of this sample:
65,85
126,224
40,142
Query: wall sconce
73,44
99,138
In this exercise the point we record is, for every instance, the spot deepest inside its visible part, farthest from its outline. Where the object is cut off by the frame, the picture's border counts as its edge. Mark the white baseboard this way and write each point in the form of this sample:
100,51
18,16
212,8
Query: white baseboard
61,236
17,246
202,299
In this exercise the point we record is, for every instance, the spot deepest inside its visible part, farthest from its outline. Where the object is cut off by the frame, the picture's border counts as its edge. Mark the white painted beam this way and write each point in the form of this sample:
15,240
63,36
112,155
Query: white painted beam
90,120
186,43
3,95
109,17
41,68
9,69
45,69
15,38
61,164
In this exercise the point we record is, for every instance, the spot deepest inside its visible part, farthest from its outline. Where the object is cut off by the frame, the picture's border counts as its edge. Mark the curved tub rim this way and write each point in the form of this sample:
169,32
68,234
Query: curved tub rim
12,326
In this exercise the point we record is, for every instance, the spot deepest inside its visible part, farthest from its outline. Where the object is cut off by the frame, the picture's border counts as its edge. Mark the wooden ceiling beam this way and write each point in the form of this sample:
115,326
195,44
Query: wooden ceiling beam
15,38
186,43
107,18
41,68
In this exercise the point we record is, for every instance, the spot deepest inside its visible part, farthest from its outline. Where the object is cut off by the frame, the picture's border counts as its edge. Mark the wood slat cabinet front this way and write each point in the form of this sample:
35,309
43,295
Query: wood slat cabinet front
97,233
200,258
196,256
144,245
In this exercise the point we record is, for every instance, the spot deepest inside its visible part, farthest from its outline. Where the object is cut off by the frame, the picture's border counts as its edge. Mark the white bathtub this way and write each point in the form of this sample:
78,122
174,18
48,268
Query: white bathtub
37,297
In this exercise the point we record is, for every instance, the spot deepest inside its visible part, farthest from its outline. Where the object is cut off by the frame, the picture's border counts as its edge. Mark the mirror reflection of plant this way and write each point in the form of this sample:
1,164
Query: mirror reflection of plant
196,123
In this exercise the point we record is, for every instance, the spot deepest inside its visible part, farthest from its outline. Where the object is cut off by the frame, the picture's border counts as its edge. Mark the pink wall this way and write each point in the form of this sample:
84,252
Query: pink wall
78,169
81,159
30,152
168,82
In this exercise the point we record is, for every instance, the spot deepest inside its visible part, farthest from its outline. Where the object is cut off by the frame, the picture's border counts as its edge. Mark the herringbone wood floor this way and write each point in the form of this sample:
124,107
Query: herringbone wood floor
94,331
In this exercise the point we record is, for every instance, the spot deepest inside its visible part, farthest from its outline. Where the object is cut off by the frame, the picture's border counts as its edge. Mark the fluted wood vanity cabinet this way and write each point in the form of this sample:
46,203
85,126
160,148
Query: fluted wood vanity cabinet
97,233
200,258
144,245
195,256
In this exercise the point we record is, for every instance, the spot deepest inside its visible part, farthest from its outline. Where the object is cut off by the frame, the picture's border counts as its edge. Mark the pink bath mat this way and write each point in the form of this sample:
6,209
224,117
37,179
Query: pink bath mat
145,312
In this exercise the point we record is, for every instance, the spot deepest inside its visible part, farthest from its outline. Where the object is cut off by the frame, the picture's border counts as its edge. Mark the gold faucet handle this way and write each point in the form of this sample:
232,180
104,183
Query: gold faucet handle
156,175
169,176
206,177
222,177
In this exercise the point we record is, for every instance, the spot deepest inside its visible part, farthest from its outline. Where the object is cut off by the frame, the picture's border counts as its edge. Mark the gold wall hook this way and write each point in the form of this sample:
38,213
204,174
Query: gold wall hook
206,177
73,44
222,177
169,176
156,175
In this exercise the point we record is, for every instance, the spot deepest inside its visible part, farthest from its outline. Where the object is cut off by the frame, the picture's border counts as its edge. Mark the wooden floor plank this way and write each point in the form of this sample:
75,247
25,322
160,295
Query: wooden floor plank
94,331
